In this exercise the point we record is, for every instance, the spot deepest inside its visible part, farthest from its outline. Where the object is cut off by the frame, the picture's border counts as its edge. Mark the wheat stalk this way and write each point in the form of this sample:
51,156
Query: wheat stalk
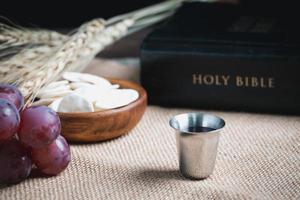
12,36
47,54
57,62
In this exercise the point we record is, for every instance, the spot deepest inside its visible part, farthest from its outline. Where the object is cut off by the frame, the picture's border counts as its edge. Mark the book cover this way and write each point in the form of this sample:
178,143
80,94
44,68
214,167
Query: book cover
219,56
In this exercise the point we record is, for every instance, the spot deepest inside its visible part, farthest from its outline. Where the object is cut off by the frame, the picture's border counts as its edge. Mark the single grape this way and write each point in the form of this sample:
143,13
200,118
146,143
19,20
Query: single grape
39,126
54,158
9,120
15,162
12,94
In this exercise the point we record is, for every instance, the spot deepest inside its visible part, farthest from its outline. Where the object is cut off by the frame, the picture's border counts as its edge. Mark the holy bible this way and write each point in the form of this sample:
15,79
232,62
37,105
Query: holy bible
220,56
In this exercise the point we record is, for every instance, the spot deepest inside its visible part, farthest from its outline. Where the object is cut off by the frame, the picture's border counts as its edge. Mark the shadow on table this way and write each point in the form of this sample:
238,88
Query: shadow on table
155,174
35,173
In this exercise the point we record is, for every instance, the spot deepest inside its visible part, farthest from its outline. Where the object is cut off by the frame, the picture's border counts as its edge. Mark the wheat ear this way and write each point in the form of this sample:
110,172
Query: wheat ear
11,36
56,64
35,66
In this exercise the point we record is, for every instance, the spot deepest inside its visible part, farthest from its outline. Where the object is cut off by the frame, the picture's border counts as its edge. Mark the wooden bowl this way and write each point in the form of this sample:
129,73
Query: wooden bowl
105,125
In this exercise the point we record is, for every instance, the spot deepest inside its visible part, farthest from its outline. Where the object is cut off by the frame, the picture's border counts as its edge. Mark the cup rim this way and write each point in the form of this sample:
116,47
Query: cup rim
197,113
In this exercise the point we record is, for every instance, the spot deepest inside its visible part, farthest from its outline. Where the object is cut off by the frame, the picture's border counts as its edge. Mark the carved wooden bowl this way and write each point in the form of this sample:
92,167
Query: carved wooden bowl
105,125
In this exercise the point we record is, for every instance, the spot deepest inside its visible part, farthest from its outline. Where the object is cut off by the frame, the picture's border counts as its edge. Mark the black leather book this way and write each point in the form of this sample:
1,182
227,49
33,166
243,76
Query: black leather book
219,56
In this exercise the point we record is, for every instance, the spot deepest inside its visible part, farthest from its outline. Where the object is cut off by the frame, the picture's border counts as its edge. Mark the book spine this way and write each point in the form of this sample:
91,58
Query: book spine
257,83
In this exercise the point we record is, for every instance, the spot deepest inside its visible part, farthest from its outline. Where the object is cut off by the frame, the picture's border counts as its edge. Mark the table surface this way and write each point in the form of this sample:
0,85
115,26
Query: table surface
258,158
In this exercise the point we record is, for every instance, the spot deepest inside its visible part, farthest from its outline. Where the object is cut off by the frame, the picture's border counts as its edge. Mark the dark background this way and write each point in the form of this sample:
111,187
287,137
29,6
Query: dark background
70,14
65,14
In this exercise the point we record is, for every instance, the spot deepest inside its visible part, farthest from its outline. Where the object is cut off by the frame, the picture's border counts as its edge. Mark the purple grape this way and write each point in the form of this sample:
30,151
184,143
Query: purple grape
39,126
9,120
12,94
15,162
54,158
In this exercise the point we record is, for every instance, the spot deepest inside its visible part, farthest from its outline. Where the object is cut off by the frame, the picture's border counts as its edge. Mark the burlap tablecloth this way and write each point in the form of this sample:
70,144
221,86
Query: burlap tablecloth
258,158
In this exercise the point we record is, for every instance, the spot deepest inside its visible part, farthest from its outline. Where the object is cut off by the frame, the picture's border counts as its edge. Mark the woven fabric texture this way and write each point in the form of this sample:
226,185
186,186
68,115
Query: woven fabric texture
258,158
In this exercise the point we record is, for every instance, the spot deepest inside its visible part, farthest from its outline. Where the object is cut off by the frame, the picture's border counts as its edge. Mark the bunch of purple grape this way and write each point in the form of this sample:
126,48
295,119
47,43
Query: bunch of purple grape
29,137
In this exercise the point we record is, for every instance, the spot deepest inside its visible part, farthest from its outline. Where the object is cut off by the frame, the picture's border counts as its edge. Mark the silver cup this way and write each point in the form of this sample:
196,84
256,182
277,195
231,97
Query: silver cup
197,136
